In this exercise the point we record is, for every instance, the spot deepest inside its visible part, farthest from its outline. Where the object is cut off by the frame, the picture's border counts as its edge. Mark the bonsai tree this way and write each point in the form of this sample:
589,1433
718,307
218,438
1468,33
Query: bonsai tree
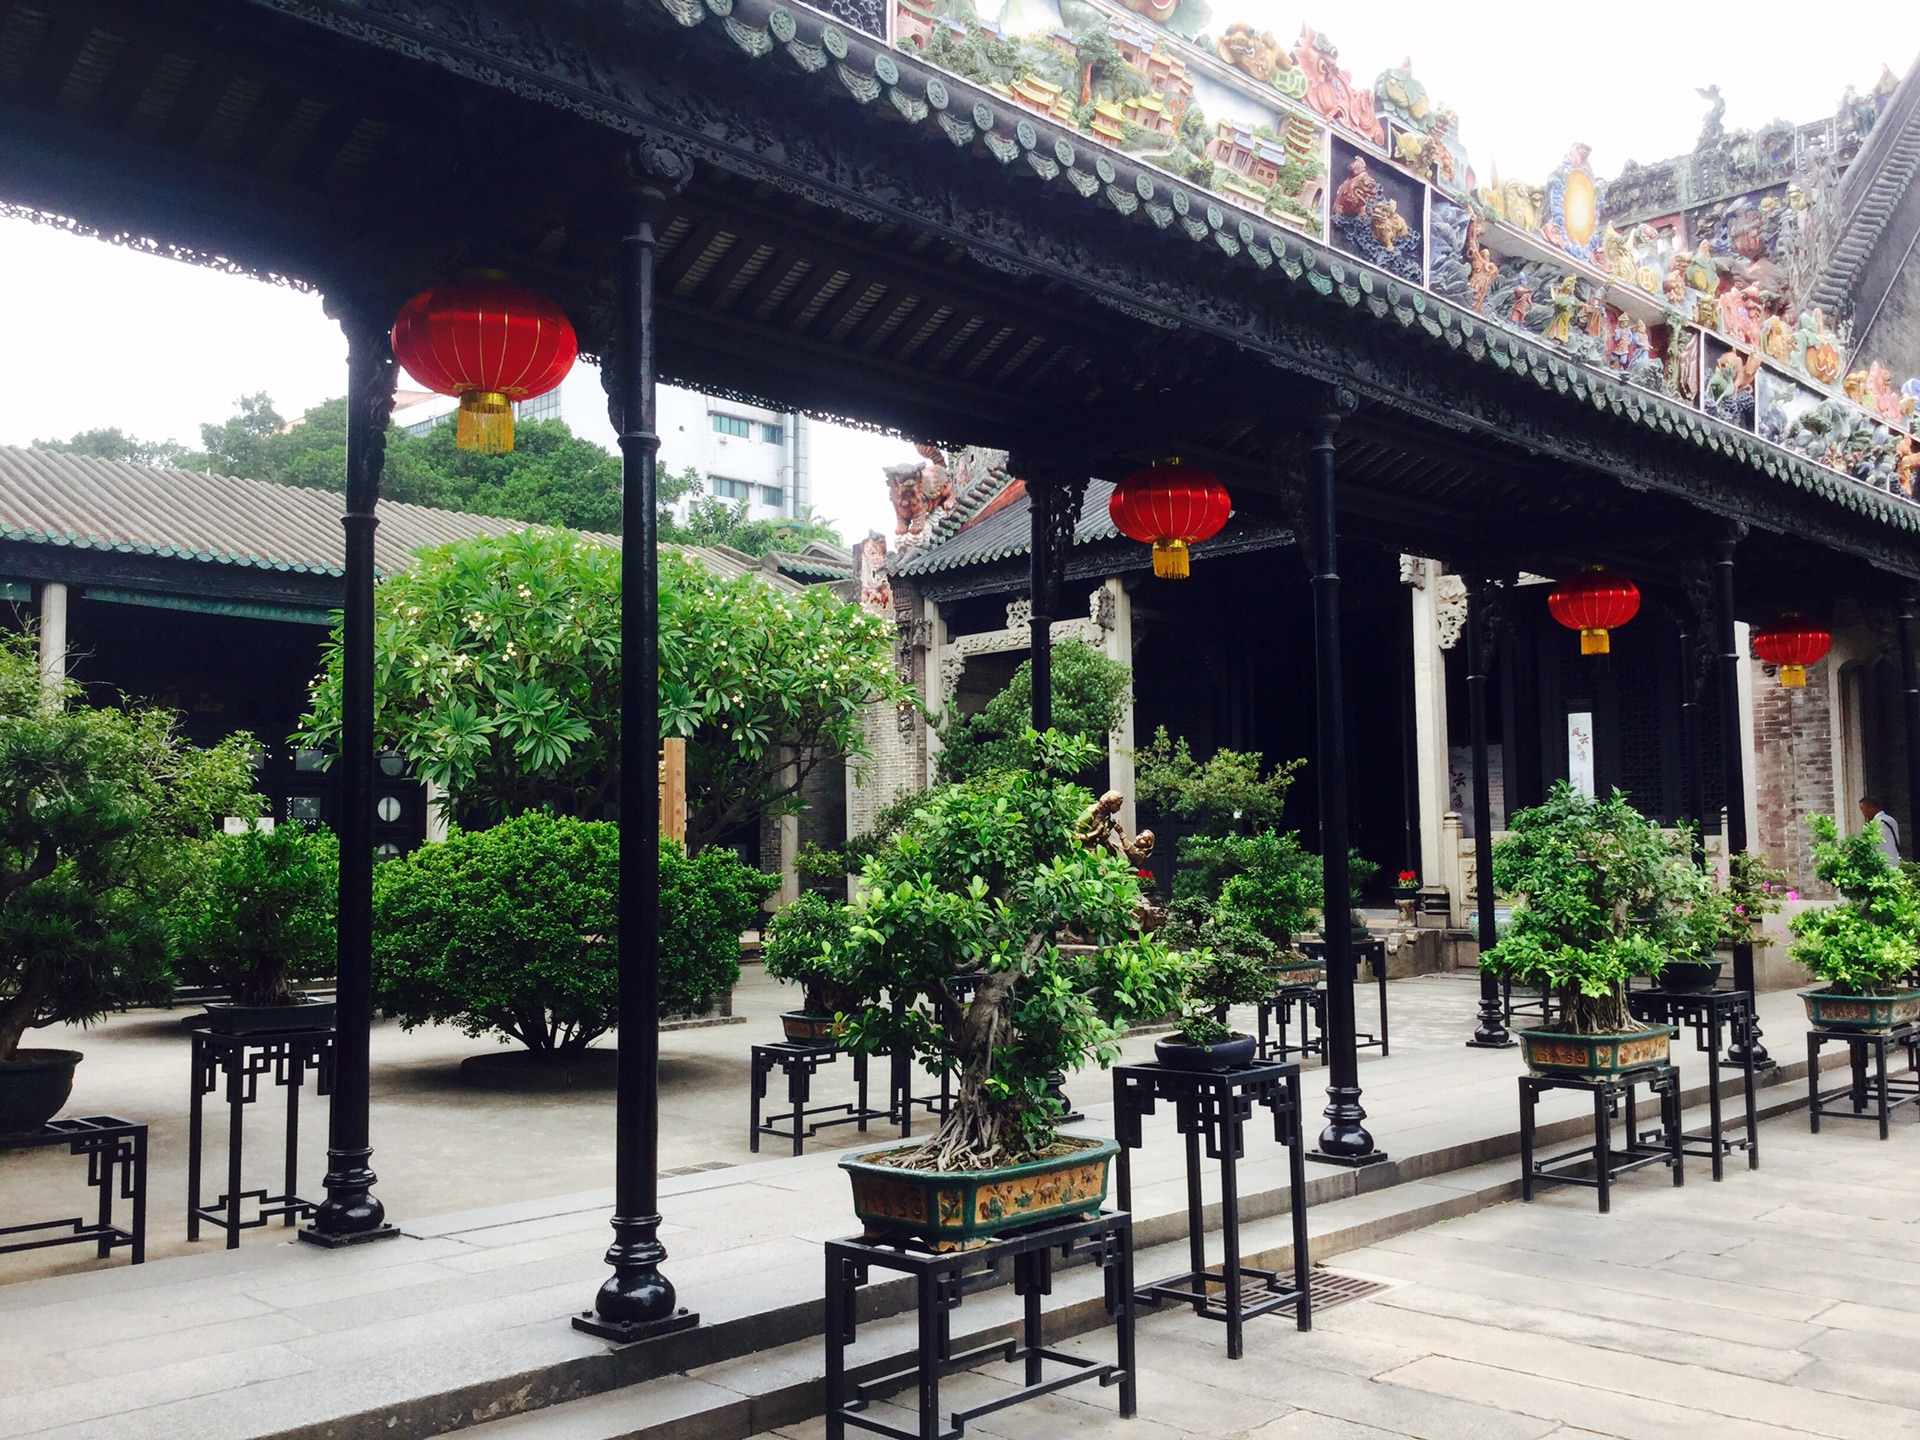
95,806
1754,890
256,912
1865,945
1604,894
982,879
498,675
798,947
1225,795
1216,980
514,930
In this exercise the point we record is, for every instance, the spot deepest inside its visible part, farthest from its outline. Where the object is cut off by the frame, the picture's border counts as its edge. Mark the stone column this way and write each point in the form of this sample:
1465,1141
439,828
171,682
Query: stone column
53,632
1117,642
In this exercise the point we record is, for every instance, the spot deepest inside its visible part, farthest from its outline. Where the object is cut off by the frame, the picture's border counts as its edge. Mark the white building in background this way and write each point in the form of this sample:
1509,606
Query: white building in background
741,452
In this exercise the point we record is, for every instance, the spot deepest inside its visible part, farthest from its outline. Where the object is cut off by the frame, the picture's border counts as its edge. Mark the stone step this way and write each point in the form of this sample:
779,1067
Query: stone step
784,1385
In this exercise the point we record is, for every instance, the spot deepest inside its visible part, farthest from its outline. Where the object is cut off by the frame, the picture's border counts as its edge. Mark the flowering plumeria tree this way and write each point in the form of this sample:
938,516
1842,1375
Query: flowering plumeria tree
498,673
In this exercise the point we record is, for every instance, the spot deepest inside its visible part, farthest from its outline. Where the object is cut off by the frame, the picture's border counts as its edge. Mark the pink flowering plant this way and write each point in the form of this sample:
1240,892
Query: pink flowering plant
1753,890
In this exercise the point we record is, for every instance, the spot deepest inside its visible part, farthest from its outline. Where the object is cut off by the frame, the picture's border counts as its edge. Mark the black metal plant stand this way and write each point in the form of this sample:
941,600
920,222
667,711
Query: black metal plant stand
1608,1162
802,1120
1373,950
1215,1105
1712,1015
239,1061
1886,1094
1276,1013
942,1279
112,1146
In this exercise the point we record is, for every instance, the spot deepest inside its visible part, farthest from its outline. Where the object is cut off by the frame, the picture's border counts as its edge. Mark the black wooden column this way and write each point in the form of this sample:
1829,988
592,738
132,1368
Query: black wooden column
1491,1032
637,1301
1910,682
1345,1140
1693,803
351,1214
1054,512
1733,758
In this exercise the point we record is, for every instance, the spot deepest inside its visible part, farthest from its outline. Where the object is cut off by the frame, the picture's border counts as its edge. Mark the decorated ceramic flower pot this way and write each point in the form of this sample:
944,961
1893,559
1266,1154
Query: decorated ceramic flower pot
1227,1054
1830,1011
804,1029
1296,970
957,1209
1595,1057
33,1087
265,1019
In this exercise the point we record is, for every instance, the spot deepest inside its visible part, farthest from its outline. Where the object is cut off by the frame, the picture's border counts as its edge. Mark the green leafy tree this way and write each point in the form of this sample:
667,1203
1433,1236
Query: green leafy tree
1089,692
116,444
497,674
1215,981
515,930
982,880
1866,944
1605,894
711,521
550,477
255,912
799,947
95,805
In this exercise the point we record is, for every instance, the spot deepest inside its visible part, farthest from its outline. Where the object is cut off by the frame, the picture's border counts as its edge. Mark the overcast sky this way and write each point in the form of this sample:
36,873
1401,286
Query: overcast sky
95,335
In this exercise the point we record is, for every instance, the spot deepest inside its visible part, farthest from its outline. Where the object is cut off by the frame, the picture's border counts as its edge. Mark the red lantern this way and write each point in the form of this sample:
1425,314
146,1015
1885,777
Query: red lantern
1792,644
1170,506
489,342
1594,602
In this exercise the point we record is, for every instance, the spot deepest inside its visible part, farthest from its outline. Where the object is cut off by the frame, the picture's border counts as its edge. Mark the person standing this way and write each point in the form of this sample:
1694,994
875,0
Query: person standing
1886,829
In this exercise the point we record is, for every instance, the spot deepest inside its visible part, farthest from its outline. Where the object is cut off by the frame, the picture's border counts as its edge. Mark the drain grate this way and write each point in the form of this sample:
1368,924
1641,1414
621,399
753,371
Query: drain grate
1330,1288
703,1166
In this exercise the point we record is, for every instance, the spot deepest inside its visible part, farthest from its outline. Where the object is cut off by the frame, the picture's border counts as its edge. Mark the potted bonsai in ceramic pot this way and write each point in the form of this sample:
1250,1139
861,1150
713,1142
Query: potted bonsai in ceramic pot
798,947
1864,946
256,915
1215,980
1602,894
983,880
1753,891
96,804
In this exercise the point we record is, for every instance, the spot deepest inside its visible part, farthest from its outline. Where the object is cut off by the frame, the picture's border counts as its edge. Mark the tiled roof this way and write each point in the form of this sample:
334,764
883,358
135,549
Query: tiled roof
1008,531
52,498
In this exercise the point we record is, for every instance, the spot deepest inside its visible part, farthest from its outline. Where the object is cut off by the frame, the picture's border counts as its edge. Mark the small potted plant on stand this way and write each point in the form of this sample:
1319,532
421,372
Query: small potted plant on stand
1603,894
983,880
1406,894
256,914
1754,890
798,948
1863,947
1202,1040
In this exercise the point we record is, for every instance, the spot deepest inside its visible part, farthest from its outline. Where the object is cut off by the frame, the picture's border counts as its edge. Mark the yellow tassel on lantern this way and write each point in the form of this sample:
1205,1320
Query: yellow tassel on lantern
485,423
1593,642
1170,559
1794,677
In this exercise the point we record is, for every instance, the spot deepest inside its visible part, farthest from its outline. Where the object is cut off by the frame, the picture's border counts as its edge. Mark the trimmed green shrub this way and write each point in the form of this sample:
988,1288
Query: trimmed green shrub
514,930
798,948
1865,945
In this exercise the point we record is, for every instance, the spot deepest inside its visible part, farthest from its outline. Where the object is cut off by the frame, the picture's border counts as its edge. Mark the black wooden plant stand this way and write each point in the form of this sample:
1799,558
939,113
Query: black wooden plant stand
1277,1012
803,1120
1886,1094
1215,1106
113,1147
1607,1161
241,1060
1713,1016
942,1279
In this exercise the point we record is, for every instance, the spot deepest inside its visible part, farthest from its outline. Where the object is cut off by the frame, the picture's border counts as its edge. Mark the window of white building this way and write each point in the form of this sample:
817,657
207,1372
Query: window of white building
541,407
731,425
772,495
774,434
730,489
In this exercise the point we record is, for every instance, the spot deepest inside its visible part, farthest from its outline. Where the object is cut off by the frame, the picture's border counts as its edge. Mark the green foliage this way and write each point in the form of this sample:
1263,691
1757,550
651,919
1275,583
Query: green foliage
1276,886
497,674
1215,981
515,930
1605,895
116,444
799,946
1754,891
1225,795
712,521
95,805
255,911
982,879
1866,945
1089,692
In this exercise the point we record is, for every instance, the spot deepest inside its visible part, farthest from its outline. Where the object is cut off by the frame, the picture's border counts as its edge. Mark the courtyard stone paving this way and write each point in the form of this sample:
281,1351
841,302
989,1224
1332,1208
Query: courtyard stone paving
1780,1303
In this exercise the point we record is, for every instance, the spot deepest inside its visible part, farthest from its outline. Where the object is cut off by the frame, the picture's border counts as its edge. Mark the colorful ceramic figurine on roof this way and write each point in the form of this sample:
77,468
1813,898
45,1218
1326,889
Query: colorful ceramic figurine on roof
1428,155
1259,54
1330,90
1573,205
1815,352
1402,97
